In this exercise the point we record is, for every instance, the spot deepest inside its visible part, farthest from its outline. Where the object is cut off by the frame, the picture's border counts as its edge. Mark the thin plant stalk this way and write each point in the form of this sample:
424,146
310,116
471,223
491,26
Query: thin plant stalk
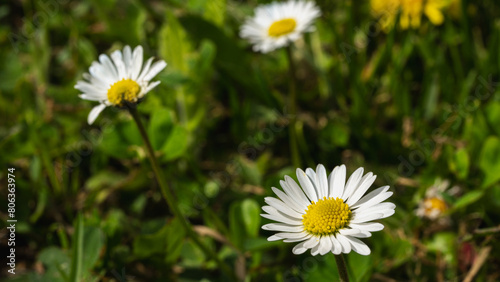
292,109
169,197
339,259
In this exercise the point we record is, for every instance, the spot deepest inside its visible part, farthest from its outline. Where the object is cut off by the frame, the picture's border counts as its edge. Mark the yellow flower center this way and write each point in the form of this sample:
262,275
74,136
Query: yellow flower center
432,204
123,90
326,216
282,27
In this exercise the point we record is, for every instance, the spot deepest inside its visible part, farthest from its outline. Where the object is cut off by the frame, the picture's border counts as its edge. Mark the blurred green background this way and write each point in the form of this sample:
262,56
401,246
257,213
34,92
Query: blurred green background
412,106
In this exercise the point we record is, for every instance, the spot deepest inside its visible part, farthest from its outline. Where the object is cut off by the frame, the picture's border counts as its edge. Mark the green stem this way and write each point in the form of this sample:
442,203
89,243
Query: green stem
339,259
169,197
292,108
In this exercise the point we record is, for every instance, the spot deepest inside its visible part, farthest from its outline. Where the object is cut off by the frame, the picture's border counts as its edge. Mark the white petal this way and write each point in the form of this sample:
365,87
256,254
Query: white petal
136,62
145,70
352,183
322,181
316,250
94,113
365,184
298,239
306,185
380,206
387,209
291,235
374,197
346,231
289,201
368,226
366,217
294,191
358,246
127,60
283,227
106,62
362,234
274,238
279,205
279,219
275,215
325,245
337,247
299,248
313,178
346,245
155,69
311,242
117,58
151,86
337,181
101,76
91,97
91,89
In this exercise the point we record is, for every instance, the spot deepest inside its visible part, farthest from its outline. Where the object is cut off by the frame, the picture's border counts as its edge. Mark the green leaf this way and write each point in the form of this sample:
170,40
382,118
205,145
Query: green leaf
459,163
249,171
236,227
57,263
119,138
35,168
114,222
175,235
192,255
77,254
147,245
468,199
103,180
160,125
250,215
177,143
493,114
215,11
92,244
444,243
360,266
229,57
489,161
173,44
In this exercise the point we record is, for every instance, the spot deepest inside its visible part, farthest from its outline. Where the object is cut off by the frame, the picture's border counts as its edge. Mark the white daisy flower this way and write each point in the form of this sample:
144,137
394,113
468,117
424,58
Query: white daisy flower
120,80
325,214
277,24
433,206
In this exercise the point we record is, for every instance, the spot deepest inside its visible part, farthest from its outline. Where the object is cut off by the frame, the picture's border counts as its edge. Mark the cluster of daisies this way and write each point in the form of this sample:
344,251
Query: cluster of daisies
322,213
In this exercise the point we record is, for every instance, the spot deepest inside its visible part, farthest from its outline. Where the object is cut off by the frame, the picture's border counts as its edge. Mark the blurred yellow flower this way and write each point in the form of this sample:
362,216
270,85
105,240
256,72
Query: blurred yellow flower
410,12
433,206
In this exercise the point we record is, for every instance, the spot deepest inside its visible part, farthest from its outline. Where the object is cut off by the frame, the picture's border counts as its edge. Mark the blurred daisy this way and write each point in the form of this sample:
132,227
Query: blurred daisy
277,24
411,12
325,214
118,81
433,205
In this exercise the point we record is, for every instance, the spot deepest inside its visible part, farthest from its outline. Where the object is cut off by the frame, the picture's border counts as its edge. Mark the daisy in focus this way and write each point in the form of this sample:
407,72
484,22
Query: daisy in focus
326,214
118,81
278,24
433,206
411,12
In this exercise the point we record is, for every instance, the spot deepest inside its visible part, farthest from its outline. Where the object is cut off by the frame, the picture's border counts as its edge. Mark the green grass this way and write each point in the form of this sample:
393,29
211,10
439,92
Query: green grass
412,106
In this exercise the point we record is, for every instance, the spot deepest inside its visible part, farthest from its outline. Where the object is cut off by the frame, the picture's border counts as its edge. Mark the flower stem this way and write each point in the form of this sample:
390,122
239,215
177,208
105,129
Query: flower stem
339,259
169,197
292,108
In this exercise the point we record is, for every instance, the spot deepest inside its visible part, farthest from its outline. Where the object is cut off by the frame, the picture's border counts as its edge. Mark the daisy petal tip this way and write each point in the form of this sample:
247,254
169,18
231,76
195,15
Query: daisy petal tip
274,238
